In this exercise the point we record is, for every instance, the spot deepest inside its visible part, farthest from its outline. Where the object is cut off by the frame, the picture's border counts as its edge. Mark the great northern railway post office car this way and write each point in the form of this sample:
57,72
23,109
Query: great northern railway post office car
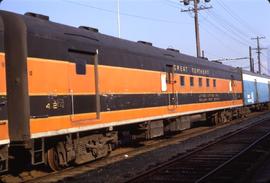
69,95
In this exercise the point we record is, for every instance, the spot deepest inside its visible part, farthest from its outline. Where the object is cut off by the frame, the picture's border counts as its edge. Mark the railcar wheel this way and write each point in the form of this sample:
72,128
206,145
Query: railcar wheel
53,159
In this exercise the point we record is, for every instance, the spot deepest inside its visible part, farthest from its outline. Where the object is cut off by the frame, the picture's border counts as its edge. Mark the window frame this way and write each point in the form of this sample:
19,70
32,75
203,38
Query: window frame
200,82
182,81
214,83
207,82
191,83
80,68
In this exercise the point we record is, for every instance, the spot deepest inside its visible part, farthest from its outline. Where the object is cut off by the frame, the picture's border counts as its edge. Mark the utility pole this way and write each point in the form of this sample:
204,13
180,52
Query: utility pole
195,9
251,60
118,19
258,49
203,54
197,31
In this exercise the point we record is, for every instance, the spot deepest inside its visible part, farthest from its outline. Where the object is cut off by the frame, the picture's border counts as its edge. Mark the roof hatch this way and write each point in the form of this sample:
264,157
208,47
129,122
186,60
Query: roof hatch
174,50
146,43
39,16
88,28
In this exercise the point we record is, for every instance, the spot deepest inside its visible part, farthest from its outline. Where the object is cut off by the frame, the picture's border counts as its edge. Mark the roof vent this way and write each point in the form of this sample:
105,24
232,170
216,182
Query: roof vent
174,50
88,28
144,42
217,62
39,16
205,58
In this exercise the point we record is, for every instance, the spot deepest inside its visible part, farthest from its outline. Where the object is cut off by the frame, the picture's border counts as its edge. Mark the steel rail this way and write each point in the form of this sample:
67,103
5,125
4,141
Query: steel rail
233,158
187,155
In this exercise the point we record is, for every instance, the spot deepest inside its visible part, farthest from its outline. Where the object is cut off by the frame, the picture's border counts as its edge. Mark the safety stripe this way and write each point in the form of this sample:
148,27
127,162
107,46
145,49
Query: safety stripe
119,123
46,106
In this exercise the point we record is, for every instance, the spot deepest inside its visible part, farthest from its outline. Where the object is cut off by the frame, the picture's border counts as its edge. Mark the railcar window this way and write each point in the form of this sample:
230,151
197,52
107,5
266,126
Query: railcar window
214,83
182,80
207,82
163,82
191,81
81,68
200,82
81,58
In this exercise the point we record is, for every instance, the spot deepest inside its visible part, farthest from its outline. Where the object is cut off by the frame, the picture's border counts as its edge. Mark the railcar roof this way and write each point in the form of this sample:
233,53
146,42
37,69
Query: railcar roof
256,74
52,30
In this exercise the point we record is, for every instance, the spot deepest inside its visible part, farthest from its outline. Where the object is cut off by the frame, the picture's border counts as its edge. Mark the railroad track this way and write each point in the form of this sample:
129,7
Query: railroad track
229,159
40,175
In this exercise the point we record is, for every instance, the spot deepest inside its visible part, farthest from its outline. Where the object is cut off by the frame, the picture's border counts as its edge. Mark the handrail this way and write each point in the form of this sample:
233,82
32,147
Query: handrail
97,85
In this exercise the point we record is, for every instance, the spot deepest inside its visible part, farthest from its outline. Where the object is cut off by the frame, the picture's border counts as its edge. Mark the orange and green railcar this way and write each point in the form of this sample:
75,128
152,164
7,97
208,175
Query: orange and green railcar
71,92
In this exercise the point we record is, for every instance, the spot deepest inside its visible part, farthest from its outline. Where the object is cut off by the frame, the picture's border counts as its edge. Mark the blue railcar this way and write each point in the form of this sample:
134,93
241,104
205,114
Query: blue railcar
256,88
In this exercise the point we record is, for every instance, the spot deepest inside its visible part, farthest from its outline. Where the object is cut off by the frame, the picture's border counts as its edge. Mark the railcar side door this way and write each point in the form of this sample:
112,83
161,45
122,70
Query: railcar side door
84,86
233,89
172,95
256,91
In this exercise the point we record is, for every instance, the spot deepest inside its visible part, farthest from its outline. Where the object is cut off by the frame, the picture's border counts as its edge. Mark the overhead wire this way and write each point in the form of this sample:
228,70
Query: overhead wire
234,33
172,3
234,37
262,65
173,6
236,17
124,14
229,48
229,26
265,68
226,32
